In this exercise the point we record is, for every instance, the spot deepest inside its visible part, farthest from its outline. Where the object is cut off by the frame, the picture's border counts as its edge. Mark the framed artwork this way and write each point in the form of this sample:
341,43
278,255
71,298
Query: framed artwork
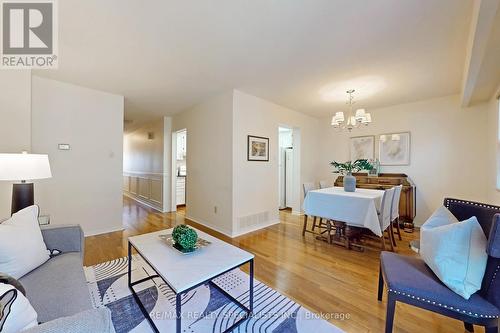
362,147
258,149
394,149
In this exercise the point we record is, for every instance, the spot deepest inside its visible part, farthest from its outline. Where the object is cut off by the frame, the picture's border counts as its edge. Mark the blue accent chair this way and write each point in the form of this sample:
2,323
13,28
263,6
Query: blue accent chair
409,280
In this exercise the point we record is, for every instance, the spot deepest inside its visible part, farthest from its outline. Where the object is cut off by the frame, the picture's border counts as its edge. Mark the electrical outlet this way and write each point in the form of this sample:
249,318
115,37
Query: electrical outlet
215,209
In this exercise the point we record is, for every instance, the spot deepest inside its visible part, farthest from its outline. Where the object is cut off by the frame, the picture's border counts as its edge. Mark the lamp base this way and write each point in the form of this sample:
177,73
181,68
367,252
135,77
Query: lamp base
22,196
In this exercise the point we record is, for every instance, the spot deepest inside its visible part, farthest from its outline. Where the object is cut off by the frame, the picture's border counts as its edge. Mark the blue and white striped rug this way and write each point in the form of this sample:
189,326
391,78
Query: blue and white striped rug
204,309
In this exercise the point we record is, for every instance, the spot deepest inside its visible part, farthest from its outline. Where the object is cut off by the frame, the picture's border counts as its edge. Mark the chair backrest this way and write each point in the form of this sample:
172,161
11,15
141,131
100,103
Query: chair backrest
395,202
385,209
325,184
308,187
488,217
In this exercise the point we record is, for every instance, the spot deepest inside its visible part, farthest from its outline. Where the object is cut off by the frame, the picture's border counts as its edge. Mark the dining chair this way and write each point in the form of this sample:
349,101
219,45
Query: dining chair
395,213
409,280
308,187
325,184
384,216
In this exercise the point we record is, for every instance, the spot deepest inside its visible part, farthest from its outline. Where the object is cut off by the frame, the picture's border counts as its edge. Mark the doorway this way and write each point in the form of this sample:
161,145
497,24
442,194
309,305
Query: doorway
286,167
180,174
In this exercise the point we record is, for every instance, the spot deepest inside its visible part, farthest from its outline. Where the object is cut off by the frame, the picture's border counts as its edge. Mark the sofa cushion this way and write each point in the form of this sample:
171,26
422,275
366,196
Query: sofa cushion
22,248
7,279
16,312
455,251
90,321
411,277
58,288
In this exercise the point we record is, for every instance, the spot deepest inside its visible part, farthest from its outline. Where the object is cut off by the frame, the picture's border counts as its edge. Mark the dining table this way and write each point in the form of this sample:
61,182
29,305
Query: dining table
356,209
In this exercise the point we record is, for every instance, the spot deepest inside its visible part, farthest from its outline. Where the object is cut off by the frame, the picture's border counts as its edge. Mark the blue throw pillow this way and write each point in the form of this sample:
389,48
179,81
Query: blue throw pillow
455,251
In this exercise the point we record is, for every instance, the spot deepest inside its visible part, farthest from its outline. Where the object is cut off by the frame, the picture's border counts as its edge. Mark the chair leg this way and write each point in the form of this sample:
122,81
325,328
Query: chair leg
304,228
328,231
491,329
391,230
391,309
391,239
314,223
469,327
398,228
380,285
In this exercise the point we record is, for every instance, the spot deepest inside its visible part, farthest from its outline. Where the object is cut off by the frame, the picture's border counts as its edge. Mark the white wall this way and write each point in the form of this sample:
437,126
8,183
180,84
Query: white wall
15,123
492,165
141,154
255,184
449,156
209,161
146,164
448,151
86,187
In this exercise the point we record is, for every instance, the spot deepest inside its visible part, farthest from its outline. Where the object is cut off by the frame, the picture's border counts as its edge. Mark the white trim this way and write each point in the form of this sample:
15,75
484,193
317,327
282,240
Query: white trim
143,202
297,213
96,232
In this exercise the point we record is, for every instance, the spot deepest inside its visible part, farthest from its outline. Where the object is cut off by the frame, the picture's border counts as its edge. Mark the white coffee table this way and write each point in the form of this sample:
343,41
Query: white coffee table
184,272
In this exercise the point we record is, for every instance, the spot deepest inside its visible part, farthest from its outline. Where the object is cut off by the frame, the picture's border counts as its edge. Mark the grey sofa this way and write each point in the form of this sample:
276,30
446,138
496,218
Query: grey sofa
58,290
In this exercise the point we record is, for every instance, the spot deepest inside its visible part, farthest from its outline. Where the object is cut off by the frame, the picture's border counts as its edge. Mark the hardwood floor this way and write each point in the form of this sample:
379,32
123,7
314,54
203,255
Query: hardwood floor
324,278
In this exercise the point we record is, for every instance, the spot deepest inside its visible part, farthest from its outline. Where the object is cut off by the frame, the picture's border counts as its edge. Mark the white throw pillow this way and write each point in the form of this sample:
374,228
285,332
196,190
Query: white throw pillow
455,251
16,312
22,248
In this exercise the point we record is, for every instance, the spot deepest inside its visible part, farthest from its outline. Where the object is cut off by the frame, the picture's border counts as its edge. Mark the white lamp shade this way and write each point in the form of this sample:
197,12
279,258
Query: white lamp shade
367,119
360,114
339,116
15,167
334,121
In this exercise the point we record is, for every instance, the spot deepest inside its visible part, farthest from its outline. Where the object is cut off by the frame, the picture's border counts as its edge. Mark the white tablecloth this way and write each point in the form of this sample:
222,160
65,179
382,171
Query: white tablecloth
354,208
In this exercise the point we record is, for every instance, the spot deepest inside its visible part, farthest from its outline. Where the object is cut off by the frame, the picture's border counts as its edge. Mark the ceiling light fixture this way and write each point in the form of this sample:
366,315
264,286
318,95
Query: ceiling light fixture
354,120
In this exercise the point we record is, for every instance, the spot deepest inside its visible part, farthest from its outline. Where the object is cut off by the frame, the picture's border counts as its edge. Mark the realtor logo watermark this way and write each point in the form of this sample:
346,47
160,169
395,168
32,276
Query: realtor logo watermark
29,34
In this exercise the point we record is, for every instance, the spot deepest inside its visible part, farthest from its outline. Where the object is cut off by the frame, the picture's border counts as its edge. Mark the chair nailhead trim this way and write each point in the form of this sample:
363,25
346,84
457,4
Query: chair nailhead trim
441,305
495,274
470,203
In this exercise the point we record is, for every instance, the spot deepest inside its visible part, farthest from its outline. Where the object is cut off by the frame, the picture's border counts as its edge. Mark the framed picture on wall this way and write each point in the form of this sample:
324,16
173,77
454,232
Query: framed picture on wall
258,149
362,147
394,148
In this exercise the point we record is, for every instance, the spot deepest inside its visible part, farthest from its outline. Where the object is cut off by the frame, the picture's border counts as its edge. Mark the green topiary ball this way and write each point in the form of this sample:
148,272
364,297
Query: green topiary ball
185,237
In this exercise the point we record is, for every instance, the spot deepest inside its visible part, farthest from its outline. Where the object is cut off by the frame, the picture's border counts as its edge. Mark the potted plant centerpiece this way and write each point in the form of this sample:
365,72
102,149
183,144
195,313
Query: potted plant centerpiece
348,168
184,238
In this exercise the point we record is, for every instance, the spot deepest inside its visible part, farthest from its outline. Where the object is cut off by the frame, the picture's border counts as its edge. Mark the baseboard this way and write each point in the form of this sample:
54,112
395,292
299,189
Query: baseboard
258,227
298,213
102,231
143,202
205,224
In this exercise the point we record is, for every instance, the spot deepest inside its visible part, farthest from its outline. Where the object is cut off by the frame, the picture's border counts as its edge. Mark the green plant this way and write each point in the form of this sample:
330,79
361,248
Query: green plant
351,167
185,237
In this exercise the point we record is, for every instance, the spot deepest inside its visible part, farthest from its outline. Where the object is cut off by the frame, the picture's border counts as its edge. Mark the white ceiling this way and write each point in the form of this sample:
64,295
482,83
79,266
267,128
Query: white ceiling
165,56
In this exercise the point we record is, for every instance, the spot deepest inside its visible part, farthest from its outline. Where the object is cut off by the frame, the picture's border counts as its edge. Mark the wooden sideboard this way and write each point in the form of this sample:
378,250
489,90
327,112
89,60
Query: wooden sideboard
407,203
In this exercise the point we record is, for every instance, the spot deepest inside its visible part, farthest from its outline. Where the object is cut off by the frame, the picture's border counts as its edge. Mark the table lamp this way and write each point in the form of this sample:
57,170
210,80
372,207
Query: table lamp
23,167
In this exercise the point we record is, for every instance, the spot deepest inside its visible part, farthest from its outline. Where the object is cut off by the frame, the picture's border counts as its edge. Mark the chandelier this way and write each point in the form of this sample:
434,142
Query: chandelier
354,120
